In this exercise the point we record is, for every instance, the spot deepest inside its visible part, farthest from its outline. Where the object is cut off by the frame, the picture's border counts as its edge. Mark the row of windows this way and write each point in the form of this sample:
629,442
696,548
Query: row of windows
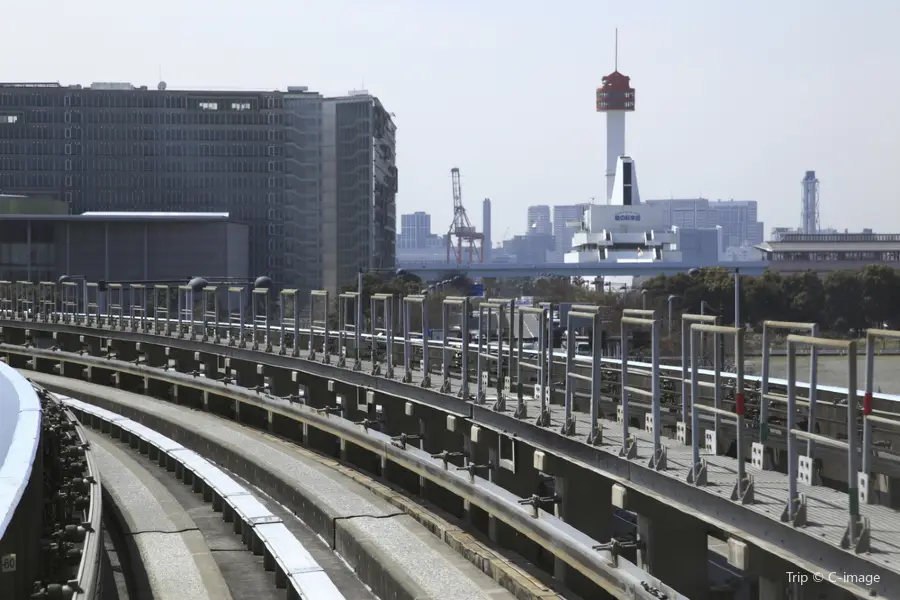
148,165
147,99
883,256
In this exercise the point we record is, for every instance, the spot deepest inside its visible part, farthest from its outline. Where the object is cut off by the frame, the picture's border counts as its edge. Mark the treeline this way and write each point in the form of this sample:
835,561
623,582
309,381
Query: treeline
839,302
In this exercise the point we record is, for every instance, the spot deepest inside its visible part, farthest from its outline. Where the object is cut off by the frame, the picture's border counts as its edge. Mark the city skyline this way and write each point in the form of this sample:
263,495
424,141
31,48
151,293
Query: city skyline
719,136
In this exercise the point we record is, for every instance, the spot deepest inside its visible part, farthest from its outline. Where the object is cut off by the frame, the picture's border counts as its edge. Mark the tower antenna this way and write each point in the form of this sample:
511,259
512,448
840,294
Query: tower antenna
617,49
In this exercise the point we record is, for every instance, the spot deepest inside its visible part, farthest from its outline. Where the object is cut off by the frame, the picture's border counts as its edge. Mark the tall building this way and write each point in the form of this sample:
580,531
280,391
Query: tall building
539,221
566,221
737,218
486,244
415,229
616,99
259,156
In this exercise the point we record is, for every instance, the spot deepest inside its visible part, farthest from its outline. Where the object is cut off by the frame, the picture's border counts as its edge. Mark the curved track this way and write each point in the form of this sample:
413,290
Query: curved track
385,546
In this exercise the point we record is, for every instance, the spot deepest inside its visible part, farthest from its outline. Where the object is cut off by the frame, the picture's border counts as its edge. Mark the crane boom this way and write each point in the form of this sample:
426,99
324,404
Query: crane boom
461,229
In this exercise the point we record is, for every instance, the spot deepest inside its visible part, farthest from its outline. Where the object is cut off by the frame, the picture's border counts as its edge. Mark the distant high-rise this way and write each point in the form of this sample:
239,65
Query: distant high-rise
563,229
809,203
615,98
737,218
314,178
415,229
539,221
486,229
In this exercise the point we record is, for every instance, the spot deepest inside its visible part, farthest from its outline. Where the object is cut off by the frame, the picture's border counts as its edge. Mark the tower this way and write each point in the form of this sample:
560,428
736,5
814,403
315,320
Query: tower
809,203
486,246
615,98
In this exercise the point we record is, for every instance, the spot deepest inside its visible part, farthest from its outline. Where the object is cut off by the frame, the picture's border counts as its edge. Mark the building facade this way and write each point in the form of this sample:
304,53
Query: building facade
737,218
415,229
566,221
255,155
359,178
123,247
539,221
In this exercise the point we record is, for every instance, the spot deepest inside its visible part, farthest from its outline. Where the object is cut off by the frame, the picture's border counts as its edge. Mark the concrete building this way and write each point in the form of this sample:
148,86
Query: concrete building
824,252
260,156
626,229
539,221
415,229
123,246
566,221
737,218
487,244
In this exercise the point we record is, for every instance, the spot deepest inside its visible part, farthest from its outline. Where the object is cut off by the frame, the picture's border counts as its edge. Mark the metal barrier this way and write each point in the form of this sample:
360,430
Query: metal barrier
290,298
799,467
185,297
550,387
68,299
539,367
317,298
47,301
92,307
138,310
260,297
870,419
7,300
161,301
229,301
115,305
743,487
419,300
385,302
484,357
687,319
462,305
644,319
505,304
210,296
25,300
348,302
591,314
765,397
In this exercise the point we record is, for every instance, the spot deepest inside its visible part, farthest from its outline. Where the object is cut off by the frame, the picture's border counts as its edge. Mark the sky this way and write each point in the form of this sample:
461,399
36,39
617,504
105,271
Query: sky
734,99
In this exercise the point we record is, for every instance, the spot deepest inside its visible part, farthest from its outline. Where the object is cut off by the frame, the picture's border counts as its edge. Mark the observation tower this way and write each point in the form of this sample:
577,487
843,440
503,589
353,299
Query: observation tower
615,98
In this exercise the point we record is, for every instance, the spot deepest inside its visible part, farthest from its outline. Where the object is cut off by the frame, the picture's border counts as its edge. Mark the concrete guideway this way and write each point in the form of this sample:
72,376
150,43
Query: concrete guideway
370,534
151,516
492,416
266,457
169,549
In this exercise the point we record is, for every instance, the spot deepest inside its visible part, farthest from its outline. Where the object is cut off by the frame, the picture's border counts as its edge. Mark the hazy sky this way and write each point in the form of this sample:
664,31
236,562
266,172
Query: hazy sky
735,99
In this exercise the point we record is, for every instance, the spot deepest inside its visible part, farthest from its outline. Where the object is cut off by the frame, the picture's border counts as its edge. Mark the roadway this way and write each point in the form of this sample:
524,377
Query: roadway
819,538
436,271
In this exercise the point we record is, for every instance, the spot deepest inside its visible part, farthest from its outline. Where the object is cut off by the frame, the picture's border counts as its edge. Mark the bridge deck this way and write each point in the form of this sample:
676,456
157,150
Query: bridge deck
827,509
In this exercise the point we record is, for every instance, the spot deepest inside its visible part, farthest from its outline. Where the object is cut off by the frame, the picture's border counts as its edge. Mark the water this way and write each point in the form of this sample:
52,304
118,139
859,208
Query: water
833,371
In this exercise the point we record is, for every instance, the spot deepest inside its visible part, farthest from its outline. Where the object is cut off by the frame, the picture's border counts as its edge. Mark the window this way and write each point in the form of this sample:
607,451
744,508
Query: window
240,106
9,119
209,105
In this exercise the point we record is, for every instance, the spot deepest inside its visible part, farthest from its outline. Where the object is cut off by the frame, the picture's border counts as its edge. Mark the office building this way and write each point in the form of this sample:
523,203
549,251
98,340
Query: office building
123,247
359,179
486,244
737,218
539,221
256,155
566,221
415,230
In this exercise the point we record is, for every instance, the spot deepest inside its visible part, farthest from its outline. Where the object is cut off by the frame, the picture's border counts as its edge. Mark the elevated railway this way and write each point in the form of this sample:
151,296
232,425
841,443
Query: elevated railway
729,465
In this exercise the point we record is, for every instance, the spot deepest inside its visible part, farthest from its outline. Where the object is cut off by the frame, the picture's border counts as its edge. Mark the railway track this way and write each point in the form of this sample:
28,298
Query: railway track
387,548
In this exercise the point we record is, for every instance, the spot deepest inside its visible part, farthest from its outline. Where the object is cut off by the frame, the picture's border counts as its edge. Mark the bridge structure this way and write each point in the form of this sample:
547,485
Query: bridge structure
537,448
434,271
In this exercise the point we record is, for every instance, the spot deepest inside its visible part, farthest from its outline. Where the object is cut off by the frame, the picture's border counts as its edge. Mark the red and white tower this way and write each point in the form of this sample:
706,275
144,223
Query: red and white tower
615,98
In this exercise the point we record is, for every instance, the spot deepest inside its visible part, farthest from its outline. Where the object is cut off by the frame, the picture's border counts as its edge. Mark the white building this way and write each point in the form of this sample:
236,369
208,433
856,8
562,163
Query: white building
625,229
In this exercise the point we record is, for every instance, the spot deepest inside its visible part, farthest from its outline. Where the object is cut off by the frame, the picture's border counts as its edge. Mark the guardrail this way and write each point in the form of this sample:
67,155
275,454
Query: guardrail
261,531
594,560
88,583
20,519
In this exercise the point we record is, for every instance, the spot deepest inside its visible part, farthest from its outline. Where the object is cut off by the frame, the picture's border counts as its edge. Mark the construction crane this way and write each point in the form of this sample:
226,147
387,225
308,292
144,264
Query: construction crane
461,232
